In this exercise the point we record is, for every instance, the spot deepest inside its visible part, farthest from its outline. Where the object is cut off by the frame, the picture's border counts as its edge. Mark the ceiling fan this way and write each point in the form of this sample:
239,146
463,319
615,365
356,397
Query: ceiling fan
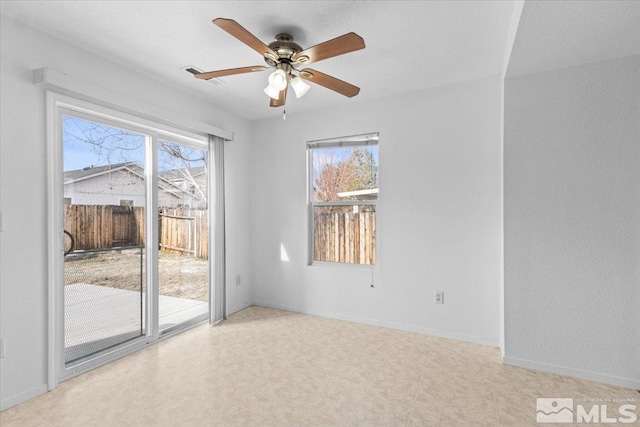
285,55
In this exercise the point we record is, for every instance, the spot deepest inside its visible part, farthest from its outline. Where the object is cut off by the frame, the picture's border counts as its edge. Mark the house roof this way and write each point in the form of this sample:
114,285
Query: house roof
367,194
177,175
133,167
90,171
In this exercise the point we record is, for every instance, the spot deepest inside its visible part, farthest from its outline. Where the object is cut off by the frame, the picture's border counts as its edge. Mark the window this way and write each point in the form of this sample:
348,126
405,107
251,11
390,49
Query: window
135,266
343,194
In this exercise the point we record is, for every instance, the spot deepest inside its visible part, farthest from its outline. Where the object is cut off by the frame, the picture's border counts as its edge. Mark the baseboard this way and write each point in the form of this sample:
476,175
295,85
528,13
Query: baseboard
561,370
22,397
240,307
390,325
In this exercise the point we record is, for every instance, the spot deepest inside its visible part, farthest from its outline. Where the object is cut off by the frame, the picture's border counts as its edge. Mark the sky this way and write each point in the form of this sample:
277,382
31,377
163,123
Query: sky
87,144
335,155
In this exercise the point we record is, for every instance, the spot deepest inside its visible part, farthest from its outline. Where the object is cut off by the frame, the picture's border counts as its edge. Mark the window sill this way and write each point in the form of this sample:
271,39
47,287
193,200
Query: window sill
343,265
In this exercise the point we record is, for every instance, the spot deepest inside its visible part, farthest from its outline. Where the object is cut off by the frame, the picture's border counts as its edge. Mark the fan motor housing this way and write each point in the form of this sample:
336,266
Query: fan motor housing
285,47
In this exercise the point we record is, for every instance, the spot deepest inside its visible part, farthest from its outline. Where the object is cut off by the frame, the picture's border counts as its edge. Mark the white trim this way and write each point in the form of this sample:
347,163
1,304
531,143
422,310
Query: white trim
349,265
152,321
561,370
310,219
23,397
103,357
59,105
64,84
238,308
90,111
211,192
346,141
391,325
361,140
117,353
218,286
371,202
55,248
501,219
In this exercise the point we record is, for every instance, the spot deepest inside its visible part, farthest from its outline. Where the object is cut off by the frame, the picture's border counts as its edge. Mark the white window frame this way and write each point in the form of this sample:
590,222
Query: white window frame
59,105
361,140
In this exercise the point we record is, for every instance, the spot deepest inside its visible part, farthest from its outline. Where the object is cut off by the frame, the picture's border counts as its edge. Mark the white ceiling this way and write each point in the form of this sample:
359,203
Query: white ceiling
411,45
566,33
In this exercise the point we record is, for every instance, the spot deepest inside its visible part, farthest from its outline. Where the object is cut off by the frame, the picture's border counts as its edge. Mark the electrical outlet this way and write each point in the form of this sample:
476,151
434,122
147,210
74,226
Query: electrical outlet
439,297
2,352
238,279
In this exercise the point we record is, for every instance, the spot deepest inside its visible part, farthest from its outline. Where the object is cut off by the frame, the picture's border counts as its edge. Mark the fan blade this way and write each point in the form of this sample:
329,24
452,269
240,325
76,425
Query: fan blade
282,99
338,46
231,71
329,82
239,32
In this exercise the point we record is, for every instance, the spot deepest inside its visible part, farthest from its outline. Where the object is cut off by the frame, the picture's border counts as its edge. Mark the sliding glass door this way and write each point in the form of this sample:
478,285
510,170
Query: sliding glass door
135,229
103,212
183,226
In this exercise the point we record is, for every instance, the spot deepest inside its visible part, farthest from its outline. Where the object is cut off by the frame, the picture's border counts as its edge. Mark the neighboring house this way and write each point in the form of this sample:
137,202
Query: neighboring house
191,180
120,184
369,194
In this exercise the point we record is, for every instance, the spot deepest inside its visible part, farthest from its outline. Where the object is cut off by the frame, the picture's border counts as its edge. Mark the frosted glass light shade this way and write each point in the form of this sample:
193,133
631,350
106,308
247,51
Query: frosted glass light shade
272,92
278,80
300,87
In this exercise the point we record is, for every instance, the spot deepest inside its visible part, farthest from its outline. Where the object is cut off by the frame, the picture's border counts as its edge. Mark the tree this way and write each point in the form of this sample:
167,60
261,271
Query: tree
99,145
185,167
335,177
366,170
358,172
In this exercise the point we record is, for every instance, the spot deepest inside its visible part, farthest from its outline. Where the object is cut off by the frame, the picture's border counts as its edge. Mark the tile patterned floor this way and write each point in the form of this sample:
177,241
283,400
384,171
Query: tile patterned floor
265,367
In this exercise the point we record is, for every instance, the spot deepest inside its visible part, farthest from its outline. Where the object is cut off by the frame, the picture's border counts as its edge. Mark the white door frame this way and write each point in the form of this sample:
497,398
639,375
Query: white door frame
56,105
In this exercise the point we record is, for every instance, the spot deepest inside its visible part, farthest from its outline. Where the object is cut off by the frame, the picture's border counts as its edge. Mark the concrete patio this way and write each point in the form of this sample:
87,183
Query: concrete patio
99,317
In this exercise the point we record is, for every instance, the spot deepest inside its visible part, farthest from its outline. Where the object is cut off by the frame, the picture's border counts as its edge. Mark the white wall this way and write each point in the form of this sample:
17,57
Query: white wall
23,262
438,225
572,221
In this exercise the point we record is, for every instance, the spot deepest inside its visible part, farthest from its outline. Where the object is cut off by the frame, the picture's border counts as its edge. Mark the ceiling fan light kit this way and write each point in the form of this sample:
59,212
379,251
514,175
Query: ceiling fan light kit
278,80
299,86
271,92
285,55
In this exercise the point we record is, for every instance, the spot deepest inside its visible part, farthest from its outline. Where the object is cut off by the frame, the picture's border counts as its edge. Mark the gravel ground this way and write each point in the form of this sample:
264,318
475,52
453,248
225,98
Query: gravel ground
180,275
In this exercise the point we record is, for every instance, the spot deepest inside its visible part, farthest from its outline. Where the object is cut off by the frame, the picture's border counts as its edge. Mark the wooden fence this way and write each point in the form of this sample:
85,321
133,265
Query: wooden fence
104,226
108,226
184,231
345,237
338,236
